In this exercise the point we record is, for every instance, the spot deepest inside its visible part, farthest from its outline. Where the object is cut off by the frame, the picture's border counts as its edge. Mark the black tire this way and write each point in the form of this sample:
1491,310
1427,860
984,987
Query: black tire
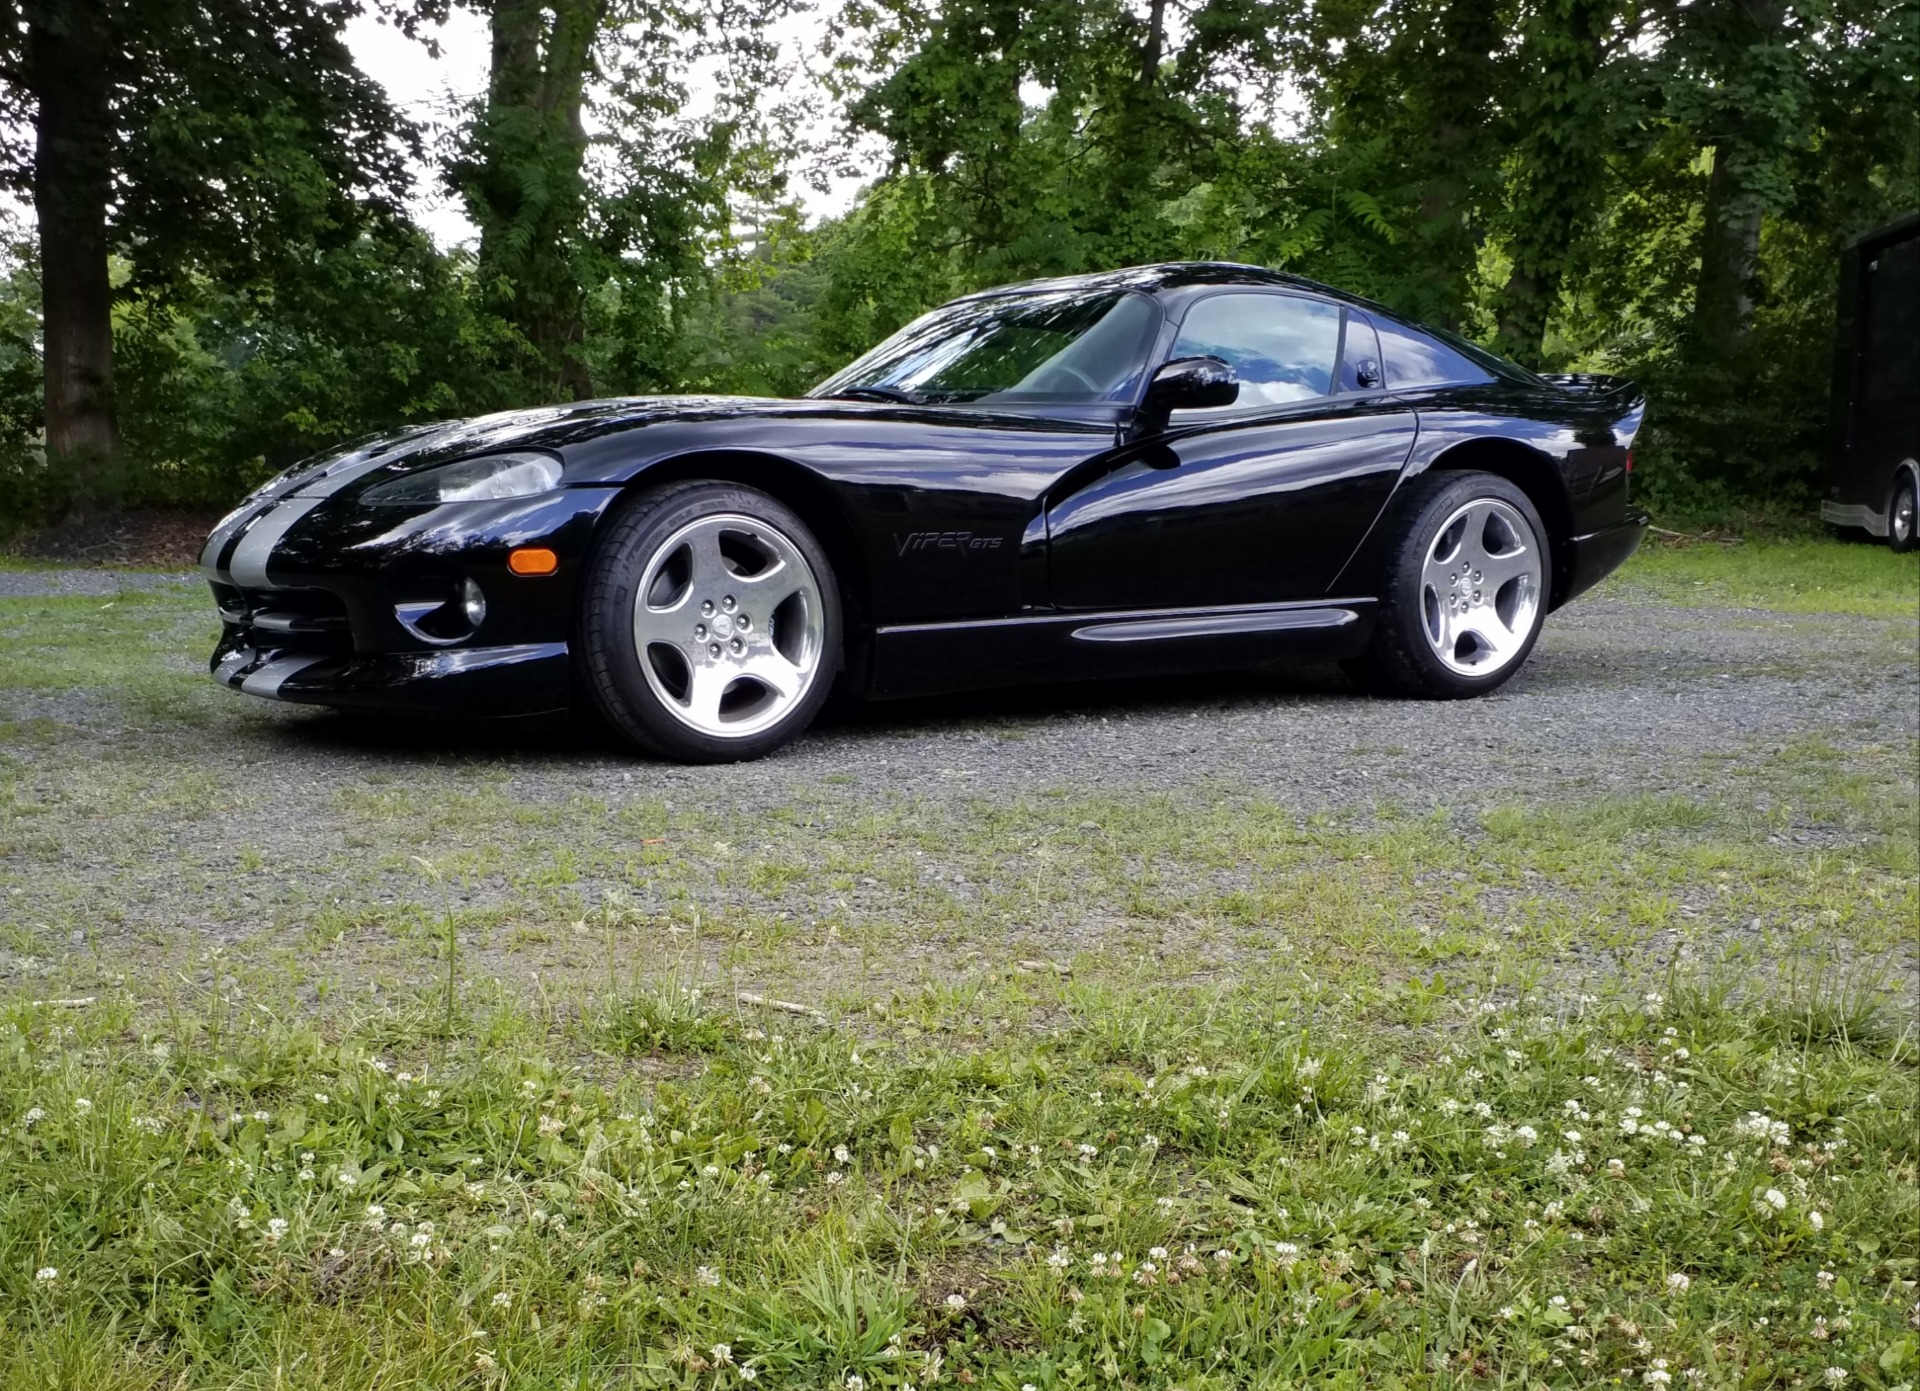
1903,529
1400,659
610,658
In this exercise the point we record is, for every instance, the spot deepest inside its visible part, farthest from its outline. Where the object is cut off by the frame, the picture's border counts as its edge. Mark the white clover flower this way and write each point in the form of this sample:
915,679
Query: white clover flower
722,1354
1775,1199
1158,1253
346,1178
1059,1260
322,1098
841,1154
1286,1253
305,1176
749,1374
1834,1376
276,1228
1677,1283
376,1214
1824,1279
835,1179
33,1117
82,1105
1816,1221
704,1275
551,1125
503,1300
1309,1068
46,1274
483,1362
1088,1151
956,1301
855,1382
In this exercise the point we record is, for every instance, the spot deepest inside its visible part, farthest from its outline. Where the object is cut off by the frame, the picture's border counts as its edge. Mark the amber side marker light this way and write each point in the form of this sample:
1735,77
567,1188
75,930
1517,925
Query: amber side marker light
532,560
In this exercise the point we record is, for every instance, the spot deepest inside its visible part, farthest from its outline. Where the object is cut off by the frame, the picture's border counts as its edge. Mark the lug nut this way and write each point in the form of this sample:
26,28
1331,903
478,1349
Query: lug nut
700,630
743,623
713,649
727,603
738,646
706,607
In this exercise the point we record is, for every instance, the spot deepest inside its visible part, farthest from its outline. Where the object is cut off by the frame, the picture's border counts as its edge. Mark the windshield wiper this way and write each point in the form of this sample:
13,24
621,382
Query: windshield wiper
877,393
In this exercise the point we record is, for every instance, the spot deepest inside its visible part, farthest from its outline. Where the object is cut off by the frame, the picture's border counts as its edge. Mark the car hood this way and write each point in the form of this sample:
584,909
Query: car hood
412,448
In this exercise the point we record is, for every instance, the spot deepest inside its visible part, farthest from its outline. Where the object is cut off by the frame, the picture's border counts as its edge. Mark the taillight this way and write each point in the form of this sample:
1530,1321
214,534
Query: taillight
1629,461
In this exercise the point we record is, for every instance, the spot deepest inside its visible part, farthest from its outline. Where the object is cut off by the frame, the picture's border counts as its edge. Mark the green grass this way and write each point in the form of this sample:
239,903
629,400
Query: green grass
1130,1186
1787,576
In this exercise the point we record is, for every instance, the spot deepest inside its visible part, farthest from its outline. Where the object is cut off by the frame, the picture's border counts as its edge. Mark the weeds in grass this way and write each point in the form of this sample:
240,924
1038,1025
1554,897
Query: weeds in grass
1167,1188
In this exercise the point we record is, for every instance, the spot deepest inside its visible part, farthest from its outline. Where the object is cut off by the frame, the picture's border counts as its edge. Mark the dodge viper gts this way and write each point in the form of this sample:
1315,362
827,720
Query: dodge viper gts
1174,468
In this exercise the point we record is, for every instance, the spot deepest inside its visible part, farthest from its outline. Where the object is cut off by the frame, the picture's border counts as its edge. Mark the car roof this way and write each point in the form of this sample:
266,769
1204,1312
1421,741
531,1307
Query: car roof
1179,275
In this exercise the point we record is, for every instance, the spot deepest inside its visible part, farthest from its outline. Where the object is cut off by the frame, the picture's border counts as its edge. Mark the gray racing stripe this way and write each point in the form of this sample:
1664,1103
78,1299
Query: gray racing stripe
223,535
267,680
233,663
249,563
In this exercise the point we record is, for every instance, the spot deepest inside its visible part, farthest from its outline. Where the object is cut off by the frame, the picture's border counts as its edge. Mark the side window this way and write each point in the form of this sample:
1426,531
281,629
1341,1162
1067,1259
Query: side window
1414,360
1281,347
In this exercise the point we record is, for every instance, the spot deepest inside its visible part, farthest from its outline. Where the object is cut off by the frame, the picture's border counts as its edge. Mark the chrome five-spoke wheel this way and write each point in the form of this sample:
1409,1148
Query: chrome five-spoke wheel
728,624
1464,587
710,622
1480,587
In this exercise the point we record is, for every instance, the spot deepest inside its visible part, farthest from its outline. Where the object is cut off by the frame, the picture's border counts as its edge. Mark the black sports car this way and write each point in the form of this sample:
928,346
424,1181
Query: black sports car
1169,468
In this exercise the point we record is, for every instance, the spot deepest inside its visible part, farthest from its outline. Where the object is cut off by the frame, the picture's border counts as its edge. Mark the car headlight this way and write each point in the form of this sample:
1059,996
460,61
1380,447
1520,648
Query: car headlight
485,479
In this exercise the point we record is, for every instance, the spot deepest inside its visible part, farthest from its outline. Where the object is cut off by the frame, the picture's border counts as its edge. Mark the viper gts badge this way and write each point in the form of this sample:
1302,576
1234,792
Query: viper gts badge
944,541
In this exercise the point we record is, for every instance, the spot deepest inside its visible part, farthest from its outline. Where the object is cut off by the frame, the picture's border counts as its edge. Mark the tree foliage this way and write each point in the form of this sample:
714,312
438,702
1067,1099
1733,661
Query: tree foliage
1658,189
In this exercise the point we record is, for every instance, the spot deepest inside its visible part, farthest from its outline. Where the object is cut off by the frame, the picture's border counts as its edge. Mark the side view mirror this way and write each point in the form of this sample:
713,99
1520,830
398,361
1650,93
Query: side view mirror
1191,383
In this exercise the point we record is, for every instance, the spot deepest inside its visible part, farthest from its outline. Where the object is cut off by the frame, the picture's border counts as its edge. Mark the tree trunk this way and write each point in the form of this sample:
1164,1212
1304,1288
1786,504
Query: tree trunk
528,191
1558,166
1729,253
67,52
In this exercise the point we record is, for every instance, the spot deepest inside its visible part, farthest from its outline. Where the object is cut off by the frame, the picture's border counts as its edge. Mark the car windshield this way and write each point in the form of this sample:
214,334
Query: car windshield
1050,346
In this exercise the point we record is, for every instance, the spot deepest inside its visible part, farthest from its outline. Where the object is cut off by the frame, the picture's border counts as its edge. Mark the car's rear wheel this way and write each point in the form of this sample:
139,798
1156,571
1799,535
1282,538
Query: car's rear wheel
710,623
1465,590
1901,515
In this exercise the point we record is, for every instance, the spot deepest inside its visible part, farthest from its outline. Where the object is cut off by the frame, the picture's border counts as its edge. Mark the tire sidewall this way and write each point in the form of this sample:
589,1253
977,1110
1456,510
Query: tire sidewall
1446,495
612,672
1903,486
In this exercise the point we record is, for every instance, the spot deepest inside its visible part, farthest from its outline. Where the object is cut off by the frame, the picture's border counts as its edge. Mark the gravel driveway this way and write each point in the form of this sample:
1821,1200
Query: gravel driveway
266,830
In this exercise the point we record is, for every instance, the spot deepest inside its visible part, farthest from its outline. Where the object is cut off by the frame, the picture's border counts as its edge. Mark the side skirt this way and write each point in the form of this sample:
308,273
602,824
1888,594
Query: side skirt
912,659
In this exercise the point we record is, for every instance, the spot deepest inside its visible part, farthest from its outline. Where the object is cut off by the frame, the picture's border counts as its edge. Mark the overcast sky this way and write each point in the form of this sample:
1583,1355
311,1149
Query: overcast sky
432,90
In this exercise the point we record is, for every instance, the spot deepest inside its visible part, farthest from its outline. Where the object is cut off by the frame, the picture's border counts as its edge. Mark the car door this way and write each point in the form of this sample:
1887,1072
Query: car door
1259,501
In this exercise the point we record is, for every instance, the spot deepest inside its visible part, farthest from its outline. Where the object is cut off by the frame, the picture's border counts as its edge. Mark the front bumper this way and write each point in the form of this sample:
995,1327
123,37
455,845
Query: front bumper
1599,553
321,603
527,679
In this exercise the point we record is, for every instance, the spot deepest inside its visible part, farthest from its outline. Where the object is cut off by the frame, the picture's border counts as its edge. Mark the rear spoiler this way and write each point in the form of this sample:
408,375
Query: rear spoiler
1621,397
1592,384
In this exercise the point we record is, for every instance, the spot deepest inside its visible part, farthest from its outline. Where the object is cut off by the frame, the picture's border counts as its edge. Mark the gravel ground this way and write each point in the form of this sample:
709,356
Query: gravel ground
240,824
98,584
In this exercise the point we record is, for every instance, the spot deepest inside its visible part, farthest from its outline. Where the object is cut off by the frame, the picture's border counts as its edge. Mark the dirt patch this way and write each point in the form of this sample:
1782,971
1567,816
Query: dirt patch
165,539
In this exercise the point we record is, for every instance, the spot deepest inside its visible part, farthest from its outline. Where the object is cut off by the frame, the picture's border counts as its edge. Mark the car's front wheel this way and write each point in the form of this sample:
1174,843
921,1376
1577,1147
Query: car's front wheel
710,623
1465,590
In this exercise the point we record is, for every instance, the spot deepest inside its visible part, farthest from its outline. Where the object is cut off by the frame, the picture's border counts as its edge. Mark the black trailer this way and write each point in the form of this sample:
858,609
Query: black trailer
1873,464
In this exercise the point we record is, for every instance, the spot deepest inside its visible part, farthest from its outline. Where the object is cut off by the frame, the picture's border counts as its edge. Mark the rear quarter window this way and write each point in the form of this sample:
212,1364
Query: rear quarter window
1415,360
